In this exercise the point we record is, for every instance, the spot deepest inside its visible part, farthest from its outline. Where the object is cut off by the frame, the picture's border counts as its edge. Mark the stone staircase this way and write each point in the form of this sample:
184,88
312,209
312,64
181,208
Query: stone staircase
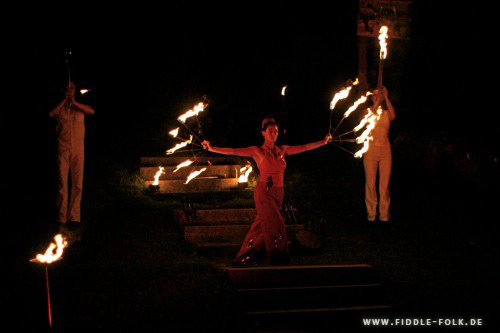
221,175
311,297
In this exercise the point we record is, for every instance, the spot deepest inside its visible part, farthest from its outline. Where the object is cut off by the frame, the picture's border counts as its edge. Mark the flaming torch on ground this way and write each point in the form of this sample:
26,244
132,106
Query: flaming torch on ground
53,253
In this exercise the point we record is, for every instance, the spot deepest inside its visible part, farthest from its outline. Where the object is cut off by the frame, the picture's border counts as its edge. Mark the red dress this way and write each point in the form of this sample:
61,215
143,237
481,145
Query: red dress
268,229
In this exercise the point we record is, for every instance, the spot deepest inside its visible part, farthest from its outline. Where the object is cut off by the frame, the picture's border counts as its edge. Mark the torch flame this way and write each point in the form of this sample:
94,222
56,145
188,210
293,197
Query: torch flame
194,174
363,121
180,145
174,132
244,173
49,256
363,150
84,91
283,91
382,37
183,164
193,112
342,94
157,175
361,100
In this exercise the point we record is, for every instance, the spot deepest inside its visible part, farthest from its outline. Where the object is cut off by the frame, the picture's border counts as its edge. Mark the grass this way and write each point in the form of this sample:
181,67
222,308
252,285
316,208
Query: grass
133,271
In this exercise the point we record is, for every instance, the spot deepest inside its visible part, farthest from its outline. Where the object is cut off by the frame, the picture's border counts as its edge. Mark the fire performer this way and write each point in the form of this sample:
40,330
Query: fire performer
379,157
70,130
268,229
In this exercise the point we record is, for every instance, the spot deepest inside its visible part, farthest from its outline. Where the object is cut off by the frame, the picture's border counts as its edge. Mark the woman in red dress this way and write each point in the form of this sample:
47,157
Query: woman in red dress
268,229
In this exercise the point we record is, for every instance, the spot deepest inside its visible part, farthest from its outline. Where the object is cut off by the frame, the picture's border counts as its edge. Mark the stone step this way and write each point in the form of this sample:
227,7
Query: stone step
312,297
218,171
300,276
173,161
196,185
227,233
225,216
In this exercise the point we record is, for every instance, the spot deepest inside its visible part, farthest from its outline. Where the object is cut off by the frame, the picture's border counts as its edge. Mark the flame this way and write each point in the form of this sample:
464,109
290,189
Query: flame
372,120
283,91
194,174
382,37
363,121
174,132
193,112
49,256
361,100
342,94
363,150
183,164
244,173
180,145
158,174
84,91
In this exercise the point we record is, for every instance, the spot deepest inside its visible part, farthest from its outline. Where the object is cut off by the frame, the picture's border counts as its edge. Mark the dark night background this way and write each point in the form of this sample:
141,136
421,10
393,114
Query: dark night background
146,64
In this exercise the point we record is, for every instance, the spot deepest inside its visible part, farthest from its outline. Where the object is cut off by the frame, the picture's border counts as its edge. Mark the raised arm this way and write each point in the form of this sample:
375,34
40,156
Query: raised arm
83,108
57,108
292,150
390,108
244,152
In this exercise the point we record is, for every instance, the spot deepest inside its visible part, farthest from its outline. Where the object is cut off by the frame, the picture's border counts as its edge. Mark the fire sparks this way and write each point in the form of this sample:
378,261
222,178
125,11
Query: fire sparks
183,164
382,37
194,174
174,132
361,100
283,90
193,112
180,145
342,94
157,175
50,256
244,173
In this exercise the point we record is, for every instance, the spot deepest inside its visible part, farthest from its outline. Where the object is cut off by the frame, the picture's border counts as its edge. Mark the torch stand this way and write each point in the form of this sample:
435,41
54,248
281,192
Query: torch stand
48,295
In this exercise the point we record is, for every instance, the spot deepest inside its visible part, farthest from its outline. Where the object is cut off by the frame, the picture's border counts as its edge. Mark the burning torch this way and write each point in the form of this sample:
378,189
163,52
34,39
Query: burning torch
53,253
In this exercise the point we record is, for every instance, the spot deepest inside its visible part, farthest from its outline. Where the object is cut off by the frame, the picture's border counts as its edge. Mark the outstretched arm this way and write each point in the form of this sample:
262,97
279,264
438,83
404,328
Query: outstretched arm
244,152
292,150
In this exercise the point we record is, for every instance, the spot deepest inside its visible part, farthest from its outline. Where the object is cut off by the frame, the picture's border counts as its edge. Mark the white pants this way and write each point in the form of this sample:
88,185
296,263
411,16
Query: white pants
378,158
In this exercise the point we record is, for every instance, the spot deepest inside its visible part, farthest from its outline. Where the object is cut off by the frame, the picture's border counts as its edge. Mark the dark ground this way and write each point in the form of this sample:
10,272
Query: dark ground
132,270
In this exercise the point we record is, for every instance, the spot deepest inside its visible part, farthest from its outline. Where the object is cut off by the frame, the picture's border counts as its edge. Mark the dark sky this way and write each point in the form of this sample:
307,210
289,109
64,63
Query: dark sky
146,64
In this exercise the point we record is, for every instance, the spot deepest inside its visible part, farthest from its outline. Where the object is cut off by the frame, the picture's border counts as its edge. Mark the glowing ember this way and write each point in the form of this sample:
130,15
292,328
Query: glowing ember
183,164
361,100
180,145
50,256
363,150
84,91
194,174
382,37
244,173
174,132
193,112
283,91
342,94
158,174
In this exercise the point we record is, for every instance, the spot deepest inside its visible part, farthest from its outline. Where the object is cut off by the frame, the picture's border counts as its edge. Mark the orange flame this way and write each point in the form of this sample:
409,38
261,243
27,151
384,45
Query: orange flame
49,256
174,132
382,37
244,173
361,100
183,164
193,112
180,145
363,150
342,94
194,174
158,174
363,121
